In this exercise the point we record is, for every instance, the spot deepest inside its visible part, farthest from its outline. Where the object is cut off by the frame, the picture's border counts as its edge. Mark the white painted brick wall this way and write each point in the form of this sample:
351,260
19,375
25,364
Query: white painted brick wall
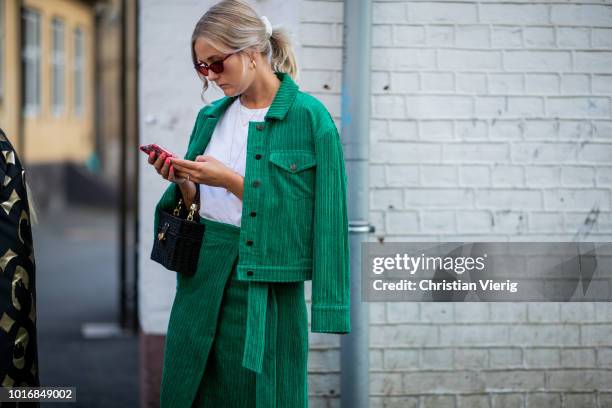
491,120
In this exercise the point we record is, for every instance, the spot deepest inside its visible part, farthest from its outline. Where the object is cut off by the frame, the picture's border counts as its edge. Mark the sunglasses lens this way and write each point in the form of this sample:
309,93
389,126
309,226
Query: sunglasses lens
202,70
216,67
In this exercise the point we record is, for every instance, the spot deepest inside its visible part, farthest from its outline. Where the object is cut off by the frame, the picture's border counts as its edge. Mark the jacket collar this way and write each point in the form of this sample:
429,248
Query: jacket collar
280,105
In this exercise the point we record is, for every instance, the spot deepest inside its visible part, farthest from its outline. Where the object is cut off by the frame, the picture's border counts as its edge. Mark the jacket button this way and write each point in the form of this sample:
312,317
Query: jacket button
256,183
253,213
249,273
258,156
260,127
293,166
249,242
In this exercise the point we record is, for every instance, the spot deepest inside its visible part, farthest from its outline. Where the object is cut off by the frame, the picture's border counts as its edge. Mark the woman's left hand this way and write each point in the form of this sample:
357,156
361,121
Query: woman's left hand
204,170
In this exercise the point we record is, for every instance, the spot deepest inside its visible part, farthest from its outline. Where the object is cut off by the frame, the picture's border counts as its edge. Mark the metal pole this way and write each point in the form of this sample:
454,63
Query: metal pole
355,126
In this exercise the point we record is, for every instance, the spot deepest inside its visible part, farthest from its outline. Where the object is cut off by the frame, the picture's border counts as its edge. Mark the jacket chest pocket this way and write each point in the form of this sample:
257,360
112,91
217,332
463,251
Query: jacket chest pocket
293,173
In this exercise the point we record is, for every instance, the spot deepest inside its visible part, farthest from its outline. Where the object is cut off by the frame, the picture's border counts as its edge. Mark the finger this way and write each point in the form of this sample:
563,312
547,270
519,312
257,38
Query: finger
200,158
165,168
181,174
184,165
160,161
152,157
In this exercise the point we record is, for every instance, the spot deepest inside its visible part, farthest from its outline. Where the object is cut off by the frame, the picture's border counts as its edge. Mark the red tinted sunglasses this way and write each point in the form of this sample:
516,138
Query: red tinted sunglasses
216,67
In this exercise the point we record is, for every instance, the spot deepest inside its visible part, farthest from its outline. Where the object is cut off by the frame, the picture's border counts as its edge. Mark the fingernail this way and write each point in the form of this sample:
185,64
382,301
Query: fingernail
167,161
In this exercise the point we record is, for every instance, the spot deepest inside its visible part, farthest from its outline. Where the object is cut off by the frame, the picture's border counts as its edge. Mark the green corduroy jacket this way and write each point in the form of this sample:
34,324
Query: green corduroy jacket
294,224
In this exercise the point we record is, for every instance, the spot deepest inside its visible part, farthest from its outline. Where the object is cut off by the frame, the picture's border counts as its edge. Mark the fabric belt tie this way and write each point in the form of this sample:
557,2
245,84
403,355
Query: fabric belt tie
255,342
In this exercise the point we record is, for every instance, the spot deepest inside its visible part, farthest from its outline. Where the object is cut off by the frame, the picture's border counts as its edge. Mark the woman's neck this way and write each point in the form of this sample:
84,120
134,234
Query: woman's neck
262,91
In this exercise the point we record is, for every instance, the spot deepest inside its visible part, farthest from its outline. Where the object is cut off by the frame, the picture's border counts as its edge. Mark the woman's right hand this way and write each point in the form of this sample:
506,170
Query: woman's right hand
165,169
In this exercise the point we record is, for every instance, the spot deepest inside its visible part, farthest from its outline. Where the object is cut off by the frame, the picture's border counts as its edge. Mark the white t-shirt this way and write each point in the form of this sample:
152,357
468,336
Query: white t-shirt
228,145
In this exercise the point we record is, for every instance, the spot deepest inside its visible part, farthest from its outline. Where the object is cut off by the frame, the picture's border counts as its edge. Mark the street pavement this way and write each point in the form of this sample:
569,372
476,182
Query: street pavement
76,252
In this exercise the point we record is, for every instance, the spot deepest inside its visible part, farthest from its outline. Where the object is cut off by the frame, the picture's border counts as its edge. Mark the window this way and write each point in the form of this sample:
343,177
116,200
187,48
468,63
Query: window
79,71
57,67
2,57
31,61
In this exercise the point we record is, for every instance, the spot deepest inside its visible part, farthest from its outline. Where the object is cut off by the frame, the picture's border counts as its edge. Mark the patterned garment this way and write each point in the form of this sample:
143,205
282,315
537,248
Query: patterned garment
18,341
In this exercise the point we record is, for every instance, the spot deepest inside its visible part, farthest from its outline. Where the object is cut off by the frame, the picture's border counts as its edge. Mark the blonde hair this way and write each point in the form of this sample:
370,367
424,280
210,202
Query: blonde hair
233,25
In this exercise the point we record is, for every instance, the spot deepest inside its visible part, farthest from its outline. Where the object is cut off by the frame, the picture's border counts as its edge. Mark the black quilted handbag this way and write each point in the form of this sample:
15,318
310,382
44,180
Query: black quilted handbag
178,240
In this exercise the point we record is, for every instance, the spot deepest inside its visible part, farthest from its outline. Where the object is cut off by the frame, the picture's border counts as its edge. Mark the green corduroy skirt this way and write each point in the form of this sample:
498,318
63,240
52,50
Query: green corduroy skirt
206,336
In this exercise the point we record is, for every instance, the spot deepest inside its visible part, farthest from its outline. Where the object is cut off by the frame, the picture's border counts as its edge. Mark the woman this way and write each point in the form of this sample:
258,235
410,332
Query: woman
18,338
268,161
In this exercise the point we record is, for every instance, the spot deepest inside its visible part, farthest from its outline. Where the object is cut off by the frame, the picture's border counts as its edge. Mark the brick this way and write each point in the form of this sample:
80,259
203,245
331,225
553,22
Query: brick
437,382
403,130
548,84
577,357
572,107
506,357
516,380
477,221
507,401
475,152
542,357
404,335
474,176
437,82
322,11
506,83
402,176
386,198
474,335
319,34
403,59
382,35
438,175
557,335
401,359
428,106
388,12
440,36
472,60
507,37
437,198
602,84
543,400
593,61
473,401
442,12
508,176
404,222
577,84
385,383
439,401
533,61
471,359
509,198
473,83
438,221
539,37
543,176
578,14
514,13
405,153
408,35
472,36
403,312
436,358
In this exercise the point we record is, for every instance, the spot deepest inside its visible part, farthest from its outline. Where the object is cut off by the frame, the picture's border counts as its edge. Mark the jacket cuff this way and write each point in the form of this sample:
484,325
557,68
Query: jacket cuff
330,319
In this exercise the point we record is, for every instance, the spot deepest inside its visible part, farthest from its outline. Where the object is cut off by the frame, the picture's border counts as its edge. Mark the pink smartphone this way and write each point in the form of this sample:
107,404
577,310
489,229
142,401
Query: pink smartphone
155,148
